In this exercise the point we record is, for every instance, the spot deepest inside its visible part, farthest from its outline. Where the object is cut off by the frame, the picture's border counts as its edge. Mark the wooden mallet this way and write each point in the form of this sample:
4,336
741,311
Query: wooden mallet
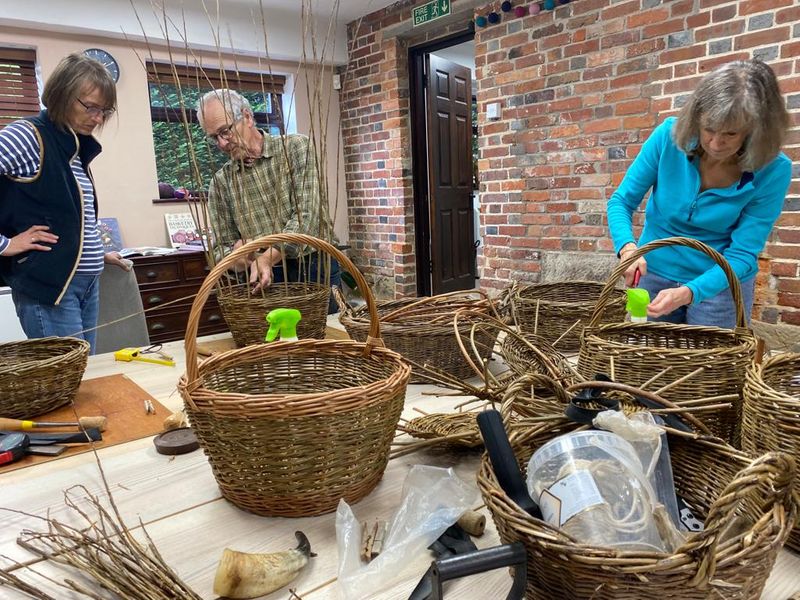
83,423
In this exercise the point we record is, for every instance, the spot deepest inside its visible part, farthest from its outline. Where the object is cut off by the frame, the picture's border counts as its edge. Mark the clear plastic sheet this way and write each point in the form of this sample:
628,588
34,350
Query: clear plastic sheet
433,499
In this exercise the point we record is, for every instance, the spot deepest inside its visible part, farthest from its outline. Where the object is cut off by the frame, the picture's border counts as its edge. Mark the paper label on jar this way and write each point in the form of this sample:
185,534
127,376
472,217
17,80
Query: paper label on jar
569,496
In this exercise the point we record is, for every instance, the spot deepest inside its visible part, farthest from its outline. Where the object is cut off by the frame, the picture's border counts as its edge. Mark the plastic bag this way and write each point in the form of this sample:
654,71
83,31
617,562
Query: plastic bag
433,499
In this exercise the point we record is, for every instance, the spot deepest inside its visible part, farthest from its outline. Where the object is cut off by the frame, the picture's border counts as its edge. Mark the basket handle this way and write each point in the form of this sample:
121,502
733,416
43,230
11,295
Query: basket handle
344,307
777,471
733,281
190,342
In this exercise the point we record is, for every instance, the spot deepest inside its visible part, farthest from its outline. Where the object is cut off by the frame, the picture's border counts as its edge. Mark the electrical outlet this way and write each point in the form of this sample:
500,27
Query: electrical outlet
337,81
493,111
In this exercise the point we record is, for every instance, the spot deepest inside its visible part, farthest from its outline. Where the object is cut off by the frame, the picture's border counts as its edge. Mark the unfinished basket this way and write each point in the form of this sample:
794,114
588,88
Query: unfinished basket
422,329
40,375
720,483
528,353
291,427
245,311
559,311
771,413
689,362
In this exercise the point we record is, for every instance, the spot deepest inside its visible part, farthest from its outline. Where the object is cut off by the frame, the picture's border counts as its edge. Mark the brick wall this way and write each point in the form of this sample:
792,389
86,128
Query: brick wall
581,89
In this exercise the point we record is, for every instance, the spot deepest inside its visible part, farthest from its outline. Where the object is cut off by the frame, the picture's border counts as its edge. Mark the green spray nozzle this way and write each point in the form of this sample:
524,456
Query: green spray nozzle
283,321
638,299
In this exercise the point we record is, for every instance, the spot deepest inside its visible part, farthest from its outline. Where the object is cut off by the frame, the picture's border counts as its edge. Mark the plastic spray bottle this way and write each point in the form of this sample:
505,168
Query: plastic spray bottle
638,299
283,321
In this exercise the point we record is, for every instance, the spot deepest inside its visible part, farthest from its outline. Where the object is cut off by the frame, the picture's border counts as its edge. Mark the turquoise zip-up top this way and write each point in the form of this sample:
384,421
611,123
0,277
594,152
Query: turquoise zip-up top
735,220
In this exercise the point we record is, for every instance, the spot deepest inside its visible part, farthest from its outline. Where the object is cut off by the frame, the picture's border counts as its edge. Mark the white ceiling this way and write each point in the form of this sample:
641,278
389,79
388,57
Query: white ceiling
348,10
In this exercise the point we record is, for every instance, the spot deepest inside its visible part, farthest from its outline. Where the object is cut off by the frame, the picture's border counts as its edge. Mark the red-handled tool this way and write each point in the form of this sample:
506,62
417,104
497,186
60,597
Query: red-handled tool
636,275
12,447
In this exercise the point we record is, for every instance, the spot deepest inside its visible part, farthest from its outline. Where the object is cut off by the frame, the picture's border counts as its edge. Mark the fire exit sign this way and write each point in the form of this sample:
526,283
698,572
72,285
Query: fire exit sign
430,11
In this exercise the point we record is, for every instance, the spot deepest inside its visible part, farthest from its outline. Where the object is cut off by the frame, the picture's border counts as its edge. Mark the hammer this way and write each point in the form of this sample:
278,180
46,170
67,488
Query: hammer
83,423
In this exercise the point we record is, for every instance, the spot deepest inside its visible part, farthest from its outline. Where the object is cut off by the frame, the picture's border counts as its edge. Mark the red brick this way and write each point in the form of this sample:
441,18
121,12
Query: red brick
751,7
647,17
788,15
760,38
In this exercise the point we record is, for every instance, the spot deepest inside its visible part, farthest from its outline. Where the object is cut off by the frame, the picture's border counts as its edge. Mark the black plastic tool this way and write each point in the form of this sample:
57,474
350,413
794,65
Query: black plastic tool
46,439
452,542
504,463
12,447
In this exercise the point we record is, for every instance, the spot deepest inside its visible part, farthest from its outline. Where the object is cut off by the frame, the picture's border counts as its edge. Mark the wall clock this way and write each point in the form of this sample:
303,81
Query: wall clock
104,57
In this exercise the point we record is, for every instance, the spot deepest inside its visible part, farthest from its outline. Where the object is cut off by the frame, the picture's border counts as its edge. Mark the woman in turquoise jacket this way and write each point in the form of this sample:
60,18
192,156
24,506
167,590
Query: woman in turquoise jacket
717,175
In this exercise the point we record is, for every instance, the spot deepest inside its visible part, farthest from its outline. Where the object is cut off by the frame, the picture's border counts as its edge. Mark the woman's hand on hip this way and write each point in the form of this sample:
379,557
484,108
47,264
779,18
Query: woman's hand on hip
32,238
640,263
669,300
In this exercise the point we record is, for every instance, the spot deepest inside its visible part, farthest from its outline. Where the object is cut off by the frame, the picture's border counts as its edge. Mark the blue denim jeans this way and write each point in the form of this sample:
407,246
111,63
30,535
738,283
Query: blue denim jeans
77,311
718,311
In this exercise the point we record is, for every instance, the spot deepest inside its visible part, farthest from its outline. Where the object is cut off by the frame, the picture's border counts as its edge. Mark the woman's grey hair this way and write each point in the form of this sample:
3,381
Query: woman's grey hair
742,95
235,104
73,76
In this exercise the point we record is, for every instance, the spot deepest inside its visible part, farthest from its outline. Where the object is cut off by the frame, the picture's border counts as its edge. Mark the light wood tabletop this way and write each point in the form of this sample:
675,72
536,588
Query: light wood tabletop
178,502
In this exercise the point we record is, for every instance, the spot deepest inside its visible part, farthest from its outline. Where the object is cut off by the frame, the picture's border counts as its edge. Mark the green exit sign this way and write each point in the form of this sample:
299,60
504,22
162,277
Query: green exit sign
430,11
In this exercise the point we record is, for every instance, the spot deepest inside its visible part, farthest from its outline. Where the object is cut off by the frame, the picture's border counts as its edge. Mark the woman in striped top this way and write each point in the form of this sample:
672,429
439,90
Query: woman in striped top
50,249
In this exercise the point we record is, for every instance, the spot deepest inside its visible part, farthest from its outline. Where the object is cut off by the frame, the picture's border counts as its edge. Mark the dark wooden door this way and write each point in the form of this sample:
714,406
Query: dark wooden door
449,132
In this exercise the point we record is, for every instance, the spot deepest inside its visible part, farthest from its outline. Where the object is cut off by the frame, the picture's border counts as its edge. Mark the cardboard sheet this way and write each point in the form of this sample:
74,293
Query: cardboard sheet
115,397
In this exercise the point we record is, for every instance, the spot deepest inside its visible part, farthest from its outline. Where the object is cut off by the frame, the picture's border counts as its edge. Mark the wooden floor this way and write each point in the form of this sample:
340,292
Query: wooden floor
177,500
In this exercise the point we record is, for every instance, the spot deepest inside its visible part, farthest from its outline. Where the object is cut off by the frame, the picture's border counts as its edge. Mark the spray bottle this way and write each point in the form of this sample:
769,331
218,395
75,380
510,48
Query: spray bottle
283,321
638,299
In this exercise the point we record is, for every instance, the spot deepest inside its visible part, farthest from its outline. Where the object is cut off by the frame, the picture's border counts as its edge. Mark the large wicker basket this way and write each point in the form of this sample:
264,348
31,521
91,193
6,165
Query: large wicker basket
245,311
40,375
559,311
685,362
719,482
291,427
422,329
771,413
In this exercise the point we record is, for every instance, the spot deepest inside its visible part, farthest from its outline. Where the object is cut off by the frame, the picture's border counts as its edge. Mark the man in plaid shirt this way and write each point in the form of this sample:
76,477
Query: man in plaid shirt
270,185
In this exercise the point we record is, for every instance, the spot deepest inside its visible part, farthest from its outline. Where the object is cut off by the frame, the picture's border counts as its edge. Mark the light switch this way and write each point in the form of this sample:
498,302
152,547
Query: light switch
493,111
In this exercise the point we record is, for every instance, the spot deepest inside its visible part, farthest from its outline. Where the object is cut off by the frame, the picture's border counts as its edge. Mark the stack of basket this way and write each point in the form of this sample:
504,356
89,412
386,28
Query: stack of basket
291,427
422,330
40,375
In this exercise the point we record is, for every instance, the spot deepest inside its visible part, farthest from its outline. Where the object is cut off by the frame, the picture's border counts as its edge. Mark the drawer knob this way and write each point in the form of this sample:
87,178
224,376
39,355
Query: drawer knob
151,274
214,318
157,327
155,300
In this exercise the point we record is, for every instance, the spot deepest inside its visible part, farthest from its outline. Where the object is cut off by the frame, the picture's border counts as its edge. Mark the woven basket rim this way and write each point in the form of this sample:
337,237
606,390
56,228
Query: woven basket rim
76,347
779,362
518,297
745,337
284,404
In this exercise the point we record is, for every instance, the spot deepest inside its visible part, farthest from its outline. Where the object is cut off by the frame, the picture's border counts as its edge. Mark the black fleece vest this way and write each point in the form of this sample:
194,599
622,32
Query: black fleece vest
52,197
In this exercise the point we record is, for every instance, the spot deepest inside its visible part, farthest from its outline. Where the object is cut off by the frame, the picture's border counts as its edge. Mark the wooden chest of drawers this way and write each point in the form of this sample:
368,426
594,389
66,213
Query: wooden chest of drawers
172,281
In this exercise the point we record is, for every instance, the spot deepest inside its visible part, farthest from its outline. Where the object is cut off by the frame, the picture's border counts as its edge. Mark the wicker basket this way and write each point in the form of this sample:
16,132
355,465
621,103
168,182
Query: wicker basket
528,353
245,311
689,362
559,311
422,329
771,413
718,481
40,375
291,427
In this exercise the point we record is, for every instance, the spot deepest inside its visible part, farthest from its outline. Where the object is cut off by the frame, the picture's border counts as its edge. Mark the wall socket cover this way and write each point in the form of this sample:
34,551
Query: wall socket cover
337,81
493,110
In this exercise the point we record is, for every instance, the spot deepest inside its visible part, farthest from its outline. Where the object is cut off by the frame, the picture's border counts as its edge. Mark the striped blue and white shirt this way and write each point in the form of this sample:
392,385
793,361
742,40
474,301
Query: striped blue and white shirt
19,157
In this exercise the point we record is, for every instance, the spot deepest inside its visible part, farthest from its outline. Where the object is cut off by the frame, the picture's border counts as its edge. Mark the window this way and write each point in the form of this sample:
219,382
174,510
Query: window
173,158
19,94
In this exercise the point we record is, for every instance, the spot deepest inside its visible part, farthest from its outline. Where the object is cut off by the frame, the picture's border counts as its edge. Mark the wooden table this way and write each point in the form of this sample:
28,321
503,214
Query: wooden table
180,505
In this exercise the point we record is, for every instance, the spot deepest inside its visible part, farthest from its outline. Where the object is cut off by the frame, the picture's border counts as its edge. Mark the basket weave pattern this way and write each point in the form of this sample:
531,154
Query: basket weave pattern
636,352
40,375
552,309
420,340
245,311
771,413
291,427
714,478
